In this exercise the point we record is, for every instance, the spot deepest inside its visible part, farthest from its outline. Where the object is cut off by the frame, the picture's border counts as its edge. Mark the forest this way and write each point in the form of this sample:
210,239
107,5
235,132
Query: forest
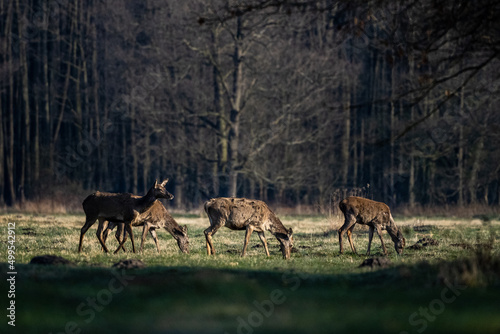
293,102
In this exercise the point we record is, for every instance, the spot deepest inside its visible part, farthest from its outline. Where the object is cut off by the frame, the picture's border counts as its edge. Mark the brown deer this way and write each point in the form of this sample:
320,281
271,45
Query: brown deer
249,215
155,217
376,215
117,207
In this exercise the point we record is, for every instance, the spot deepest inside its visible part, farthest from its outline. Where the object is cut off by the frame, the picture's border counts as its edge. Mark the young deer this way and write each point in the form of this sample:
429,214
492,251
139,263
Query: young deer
376,215
249,215
117,207
155,217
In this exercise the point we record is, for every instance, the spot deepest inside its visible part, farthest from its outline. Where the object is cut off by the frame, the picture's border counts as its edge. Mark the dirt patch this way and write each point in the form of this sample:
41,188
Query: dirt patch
476,246
422,228
28,231
462,245
50,260
129,264
424,242
376,262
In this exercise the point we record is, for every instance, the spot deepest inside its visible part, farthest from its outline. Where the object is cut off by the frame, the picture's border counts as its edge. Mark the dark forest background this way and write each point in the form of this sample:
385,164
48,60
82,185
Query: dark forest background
293,102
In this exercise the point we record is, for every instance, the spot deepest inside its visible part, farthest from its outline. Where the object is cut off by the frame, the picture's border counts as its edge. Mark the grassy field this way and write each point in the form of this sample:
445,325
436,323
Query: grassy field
450,287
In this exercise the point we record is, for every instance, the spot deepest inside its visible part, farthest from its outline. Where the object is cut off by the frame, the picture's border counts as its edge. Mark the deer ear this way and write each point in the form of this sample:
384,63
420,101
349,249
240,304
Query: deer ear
185,228
164,183
290,231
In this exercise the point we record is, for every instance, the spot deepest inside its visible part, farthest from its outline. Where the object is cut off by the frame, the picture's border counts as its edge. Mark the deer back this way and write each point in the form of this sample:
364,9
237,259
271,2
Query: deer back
237,213
366,211
111,206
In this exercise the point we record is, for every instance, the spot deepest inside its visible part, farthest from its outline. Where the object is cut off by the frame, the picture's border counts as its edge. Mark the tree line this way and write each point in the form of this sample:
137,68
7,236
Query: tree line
286,101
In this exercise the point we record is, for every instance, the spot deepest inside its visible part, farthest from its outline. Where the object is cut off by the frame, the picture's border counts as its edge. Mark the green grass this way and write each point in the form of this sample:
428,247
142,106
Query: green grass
317,291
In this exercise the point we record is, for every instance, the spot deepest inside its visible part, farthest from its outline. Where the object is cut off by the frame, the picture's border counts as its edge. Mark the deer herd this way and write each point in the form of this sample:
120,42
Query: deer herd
126,210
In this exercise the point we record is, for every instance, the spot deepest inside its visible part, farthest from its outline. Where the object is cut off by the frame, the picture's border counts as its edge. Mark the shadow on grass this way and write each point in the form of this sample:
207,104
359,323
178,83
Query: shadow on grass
196,299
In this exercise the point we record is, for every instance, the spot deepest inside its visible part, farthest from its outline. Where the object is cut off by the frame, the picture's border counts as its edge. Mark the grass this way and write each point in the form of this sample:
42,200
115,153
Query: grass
451,287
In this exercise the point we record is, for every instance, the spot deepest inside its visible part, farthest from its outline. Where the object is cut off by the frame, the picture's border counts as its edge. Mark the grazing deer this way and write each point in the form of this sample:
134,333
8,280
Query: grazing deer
116,207
155,217
376,215
249,215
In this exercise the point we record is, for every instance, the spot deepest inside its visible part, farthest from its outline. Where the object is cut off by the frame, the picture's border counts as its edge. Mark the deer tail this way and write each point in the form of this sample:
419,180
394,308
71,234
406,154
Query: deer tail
207,205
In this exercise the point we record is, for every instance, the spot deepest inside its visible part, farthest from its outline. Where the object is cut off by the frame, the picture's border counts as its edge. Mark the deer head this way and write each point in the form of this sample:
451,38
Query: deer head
286,243
159,190
399,243
182,238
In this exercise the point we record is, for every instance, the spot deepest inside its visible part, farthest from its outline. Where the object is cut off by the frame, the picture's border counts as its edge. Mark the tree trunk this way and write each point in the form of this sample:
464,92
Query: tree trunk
220,168
100,166
236,105
133,150
346,135
25,145
180,181
412,167
47,130
460,158
72,53
392,167
10,135
476,164
146,163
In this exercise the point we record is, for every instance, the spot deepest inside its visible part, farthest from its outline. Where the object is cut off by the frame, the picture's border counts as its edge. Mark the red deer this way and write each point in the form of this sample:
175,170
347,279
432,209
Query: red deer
376,215
119,208
249,215
153,218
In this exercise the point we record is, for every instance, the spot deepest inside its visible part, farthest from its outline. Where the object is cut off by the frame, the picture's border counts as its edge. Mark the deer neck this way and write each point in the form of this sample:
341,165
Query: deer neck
276,226
168,223
394,232
143,203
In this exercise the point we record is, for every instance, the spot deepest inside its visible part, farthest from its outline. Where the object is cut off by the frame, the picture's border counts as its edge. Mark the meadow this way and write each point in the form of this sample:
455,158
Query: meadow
453,286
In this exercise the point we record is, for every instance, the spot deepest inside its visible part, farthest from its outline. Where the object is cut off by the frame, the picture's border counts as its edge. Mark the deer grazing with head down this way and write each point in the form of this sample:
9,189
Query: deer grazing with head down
153,218
249,215
116,207
376,215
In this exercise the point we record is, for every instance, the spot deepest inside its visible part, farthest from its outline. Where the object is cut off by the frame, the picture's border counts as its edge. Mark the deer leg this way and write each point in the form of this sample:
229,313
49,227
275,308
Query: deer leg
89,221
208,236
349,222
379,232
248,233
349,237
209,232
105,233
145,230
128,228
103,224
120,235
152,231
370,237
264,242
